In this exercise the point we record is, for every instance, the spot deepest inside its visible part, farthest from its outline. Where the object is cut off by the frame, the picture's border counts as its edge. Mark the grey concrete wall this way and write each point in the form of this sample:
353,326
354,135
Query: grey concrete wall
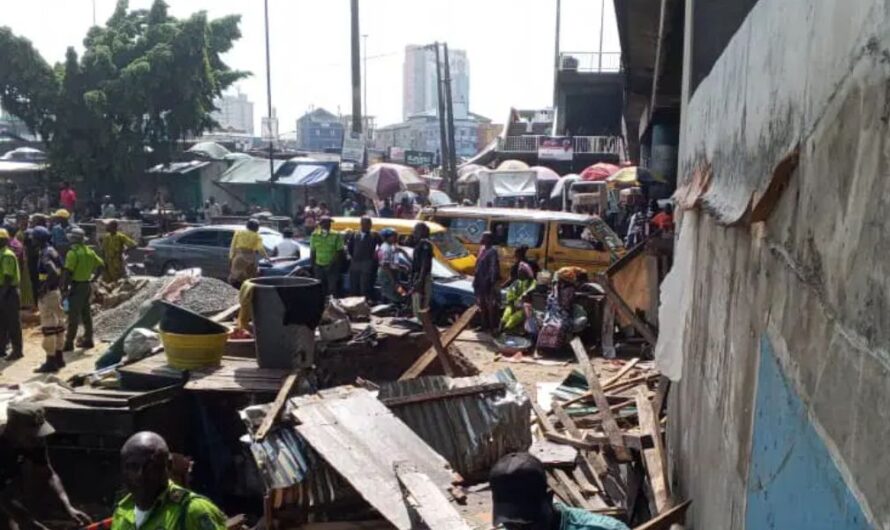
813,280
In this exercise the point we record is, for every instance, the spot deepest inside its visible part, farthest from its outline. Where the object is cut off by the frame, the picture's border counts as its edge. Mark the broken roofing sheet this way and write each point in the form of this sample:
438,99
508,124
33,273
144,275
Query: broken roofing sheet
360,438
471,421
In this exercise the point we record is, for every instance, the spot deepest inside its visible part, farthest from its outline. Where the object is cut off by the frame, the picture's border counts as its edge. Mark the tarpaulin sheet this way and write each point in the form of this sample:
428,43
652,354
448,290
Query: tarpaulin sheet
495,184
303,175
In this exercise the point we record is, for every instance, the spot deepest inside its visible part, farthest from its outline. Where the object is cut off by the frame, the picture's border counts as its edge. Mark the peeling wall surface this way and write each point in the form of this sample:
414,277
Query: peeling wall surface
812,281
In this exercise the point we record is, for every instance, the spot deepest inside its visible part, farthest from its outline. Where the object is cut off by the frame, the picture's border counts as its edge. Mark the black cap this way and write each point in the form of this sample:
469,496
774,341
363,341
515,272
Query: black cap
519,490
27,419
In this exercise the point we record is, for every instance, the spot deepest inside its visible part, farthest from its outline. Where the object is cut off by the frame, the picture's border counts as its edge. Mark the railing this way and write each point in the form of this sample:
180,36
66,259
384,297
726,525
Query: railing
580,144
590,62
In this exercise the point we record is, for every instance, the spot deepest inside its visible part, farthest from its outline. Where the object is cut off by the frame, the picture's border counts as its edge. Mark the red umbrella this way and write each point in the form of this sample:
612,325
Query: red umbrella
599,171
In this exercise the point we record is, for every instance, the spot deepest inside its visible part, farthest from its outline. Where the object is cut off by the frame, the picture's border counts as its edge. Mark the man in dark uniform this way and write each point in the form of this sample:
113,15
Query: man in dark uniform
23,459
362,248
154,502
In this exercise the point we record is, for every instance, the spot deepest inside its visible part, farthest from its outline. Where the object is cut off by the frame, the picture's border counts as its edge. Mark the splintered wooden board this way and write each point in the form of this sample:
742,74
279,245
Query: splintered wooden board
360,438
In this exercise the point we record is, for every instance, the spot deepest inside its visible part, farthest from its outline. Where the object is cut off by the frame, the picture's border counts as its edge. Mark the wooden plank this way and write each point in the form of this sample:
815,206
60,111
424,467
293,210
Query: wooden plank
428,500
627,383
559,490
226,314
625,310
664,520
486,388
275,408
447,338
654,458
578,499
628,366
362,440
592,461
593,383
553,454
433,335
608,332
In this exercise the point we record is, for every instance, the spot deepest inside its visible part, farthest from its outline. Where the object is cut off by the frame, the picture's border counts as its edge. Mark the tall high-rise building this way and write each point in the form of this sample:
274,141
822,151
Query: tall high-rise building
419,93
235,113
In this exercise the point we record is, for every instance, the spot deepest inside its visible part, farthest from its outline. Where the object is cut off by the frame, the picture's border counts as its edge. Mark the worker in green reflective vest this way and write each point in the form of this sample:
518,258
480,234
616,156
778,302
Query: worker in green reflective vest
154,502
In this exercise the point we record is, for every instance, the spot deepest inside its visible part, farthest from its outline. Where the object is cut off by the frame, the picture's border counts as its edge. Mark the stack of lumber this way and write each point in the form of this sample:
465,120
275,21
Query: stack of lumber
615,423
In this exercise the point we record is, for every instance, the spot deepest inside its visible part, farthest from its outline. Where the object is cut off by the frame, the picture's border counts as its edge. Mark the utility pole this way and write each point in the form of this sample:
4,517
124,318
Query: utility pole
94,12
443,150
449,113
365,75
556,57
602,17
356,72
269,112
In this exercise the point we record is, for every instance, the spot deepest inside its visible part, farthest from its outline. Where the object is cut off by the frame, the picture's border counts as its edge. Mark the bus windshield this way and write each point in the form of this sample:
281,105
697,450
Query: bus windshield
448,245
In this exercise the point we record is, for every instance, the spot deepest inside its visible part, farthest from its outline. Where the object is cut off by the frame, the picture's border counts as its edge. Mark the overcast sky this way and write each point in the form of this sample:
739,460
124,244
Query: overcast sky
509,45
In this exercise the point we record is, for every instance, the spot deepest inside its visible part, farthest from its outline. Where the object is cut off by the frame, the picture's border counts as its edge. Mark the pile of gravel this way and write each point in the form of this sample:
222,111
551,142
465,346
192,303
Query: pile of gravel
207,297
109,324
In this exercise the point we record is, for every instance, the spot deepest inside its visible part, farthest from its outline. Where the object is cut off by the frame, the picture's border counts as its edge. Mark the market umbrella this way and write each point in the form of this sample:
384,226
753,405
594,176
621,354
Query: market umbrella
632,176
599,172
513,165
468,173
545,174
562,183
385,180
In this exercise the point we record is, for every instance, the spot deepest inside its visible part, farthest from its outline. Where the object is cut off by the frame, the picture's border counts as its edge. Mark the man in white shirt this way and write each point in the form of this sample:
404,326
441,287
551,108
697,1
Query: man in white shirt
288,248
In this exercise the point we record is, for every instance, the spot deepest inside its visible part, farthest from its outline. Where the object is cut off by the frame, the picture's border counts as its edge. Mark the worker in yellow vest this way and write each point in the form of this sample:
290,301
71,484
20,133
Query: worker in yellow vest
10,302
154,502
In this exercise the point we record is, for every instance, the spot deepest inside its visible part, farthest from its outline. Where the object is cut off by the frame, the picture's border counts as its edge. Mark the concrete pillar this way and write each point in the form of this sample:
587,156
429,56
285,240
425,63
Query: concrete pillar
665,141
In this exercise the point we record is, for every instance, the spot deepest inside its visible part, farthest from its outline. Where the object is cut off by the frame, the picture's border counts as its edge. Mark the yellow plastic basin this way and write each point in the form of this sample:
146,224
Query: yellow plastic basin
188,352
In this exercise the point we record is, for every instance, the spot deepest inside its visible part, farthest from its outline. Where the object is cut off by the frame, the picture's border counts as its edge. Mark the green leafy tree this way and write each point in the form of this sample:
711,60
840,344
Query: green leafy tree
146,80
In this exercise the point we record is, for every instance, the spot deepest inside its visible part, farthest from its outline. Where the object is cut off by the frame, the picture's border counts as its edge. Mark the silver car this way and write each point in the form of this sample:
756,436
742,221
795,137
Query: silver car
206,247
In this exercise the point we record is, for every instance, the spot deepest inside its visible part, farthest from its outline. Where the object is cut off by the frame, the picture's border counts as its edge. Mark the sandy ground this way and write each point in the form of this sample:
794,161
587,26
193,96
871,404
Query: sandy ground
22,371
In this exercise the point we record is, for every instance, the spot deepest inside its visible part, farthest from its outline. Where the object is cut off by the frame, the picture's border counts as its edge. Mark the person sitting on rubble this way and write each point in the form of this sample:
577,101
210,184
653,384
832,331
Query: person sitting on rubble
24,461
521,500
244,252
153,500
517,299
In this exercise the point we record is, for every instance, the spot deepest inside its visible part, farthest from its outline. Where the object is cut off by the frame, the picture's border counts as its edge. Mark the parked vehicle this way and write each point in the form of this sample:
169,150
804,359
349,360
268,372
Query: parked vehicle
554,239
206,247
445,246
452,291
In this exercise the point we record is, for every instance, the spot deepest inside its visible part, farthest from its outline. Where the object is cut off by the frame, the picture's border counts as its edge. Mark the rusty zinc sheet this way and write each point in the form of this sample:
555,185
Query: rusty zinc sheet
471,431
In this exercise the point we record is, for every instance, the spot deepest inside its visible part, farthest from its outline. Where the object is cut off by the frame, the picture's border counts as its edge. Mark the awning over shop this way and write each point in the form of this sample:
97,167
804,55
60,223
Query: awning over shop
289,173
178,168
8,167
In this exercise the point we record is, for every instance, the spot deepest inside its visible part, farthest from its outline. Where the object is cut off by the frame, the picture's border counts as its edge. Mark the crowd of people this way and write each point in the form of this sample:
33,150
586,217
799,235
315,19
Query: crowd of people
46,265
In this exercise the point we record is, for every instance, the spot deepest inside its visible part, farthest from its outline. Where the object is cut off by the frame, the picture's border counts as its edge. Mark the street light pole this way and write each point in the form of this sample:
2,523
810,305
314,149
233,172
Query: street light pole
449,114
602,18
365,75
356,72
556,56
269,110
443,150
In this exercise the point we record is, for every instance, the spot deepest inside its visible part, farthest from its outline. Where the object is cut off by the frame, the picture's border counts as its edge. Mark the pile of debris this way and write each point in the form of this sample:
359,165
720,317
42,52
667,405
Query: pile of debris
602,443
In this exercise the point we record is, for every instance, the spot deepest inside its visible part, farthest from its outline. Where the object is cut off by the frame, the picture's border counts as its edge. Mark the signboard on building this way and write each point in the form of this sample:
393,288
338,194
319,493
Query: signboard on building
270,129
396,154
555,148
420,158
353,148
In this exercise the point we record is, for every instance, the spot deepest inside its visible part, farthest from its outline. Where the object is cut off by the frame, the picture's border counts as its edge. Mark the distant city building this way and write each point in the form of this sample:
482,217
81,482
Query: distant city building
419,92
235,114
421,133
318,130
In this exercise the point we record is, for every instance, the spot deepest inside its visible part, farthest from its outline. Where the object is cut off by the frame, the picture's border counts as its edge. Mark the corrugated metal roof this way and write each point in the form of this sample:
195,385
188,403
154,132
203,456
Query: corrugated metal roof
249,171
472,432
178,168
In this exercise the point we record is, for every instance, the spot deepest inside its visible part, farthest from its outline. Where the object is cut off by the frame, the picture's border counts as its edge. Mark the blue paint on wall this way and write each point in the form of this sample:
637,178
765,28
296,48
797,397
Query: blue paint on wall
793,482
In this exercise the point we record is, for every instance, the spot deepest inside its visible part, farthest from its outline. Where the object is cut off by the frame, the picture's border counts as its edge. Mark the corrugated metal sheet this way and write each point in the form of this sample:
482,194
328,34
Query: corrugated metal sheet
472,432
178,168
249,171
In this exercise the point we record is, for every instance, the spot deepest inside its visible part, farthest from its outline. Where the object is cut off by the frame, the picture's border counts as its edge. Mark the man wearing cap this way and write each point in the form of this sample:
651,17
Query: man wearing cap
49,301
24,460
325,253
82,266
61,224
10,319
153,501
521,500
